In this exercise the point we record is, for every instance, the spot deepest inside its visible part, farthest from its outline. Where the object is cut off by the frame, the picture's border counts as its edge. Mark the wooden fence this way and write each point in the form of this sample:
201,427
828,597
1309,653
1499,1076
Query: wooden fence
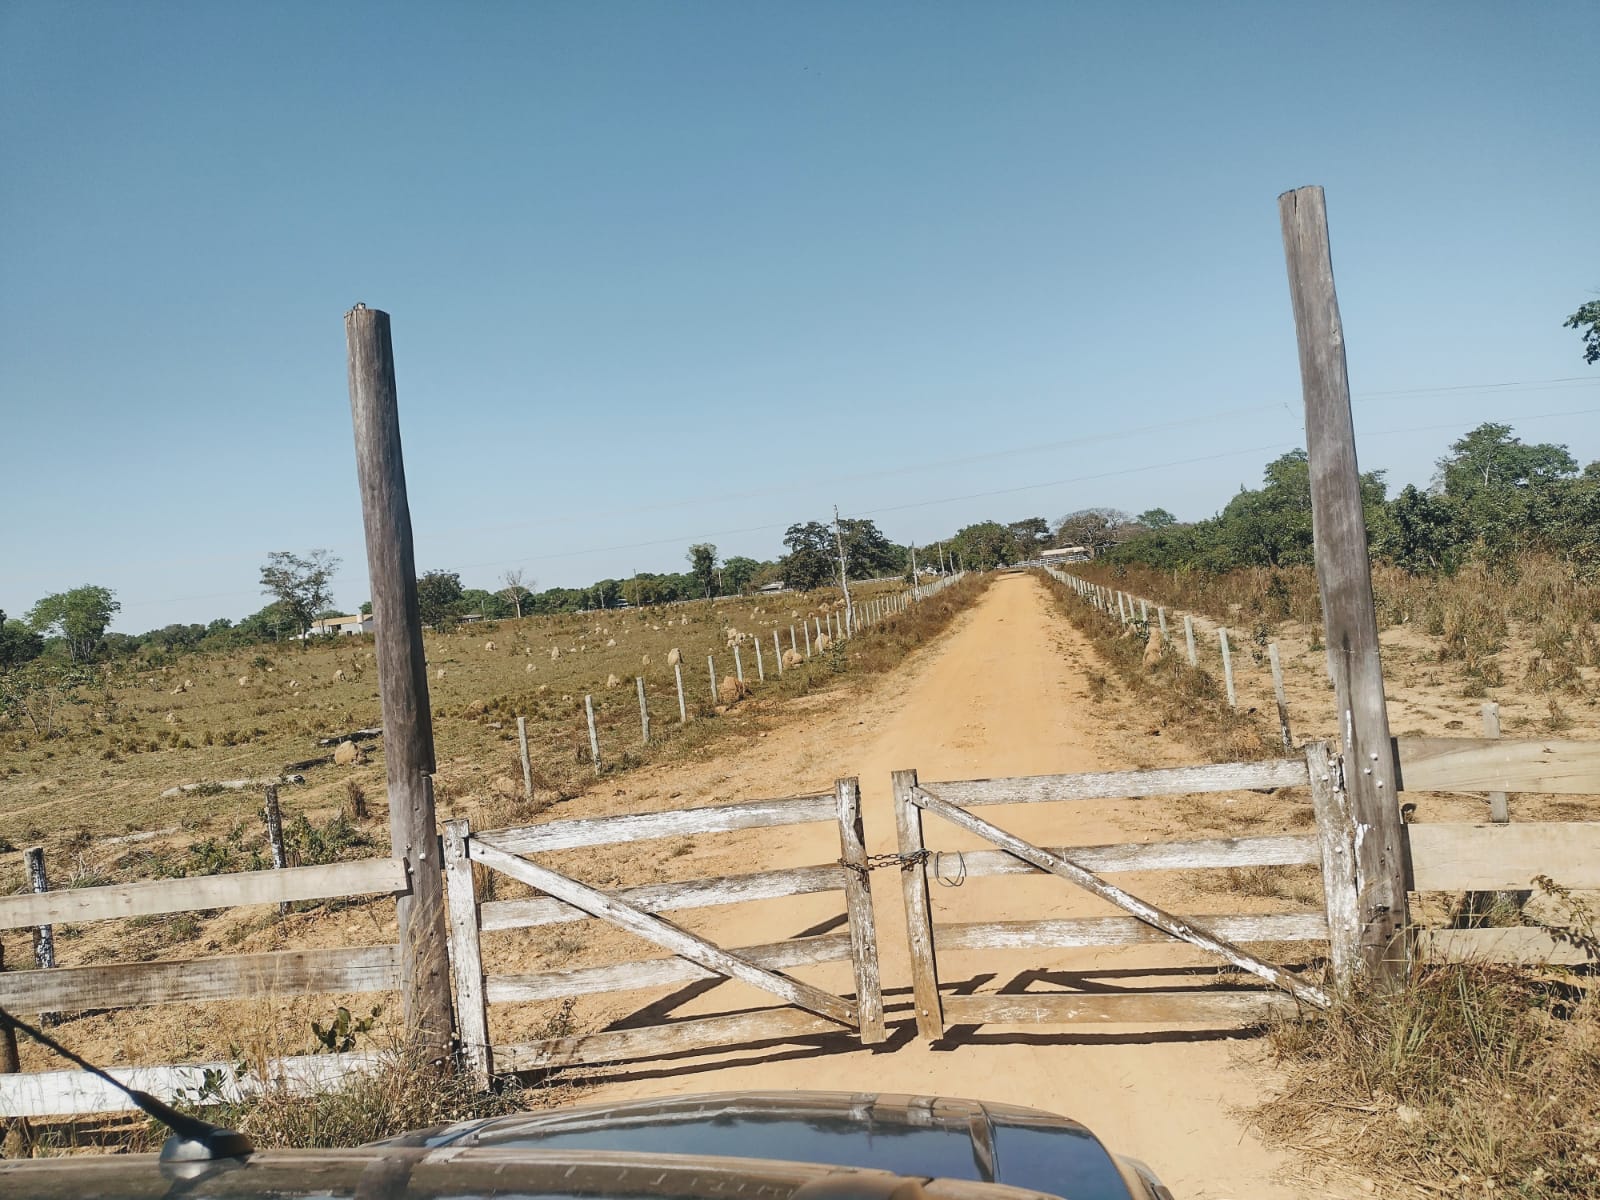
1446,857
338,970
807,1011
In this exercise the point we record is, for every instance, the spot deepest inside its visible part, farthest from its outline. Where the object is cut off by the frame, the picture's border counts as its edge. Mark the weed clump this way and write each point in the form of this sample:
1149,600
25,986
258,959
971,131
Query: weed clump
1473,1080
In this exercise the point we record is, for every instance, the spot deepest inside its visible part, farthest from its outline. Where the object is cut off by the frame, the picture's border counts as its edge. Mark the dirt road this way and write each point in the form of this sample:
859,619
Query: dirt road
1006,692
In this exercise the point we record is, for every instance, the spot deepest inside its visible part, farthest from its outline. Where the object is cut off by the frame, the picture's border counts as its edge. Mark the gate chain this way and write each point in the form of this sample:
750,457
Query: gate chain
874,861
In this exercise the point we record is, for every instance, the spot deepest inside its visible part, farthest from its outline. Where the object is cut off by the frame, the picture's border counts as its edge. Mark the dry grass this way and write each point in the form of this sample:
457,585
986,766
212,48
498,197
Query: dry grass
1473,1081
1188,701
1534,619
103,821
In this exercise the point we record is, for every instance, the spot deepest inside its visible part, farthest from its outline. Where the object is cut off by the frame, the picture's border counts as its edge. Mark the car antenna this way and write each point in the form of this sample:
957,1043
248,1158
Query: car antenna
191,1140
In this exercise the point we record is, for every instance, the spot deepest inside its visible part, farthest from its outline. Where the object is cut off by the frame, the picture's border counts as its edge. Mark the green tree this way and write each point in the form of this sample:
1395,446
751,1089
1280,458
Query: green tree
1156,518
985,546
868,554
440,598
737,572
38,692
811,562
19,643
1032,534
78,617
703,566
1588,315
304,586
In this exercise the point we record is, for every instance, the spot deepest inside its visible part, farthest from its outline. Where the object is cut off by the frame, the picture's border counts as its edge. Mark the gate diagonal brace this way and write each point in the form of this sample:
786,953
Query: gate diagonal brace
665,934
1148,913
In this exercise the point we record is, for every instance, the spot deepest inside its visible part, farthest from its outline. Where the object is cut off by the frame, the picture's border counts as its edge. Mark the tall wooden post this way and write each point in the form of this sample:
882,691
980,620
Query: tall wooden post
402,681
1344,575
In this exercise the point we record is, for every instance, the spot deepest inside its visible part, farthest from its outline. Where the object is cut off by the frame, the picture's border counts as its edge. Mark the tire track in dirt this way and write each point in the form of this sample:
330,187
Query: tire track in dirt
1004,692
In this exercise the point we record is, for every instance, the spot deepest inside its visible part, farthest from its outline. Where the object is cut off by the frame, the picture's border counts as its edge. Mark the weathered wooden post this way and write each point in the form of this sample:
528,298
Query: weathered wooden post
1344,576
1227,667
1278,694
44,936
274,817
594,737
1499,802
467,959
402,681
10,1059
527,765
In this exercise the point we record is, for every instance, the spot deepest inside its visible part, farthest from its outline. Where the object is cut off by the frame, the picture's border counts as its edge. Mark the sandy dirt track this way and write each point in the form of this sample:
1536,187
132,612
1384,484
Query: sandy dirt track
1005,692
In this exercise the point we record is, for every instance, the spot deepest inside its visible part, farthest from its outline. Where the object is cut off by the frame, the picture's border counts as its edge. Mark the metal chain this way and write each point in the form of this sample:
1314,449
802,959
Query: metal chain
875,861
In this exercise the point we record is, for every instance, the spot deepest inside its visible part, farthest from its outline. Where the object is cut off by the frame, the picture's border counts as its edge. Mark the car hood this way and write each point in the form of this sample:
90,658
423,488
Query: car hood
924,1136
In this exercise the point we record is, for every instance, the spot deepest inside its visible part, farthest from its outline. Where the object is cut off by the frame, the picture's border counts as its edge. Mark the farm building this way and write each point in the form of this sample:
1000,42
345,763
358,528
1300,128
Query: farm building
1066,554
328,626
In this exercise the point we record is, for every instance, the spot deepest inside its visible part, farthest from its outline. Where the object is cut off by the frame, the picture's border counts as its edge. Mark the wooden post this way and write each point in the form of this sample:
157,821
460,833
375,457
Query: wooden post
527,764
844,573
777,651
1278,694
738,663
1227,667
1188,637
466,955
1499,802
919,914
274,817
683,709
44,936
793,645
711,670
1344,576
858,910
1144,610
806,626
594,738
1336,837
402,681
1161,616
761,667
10,1059
644,713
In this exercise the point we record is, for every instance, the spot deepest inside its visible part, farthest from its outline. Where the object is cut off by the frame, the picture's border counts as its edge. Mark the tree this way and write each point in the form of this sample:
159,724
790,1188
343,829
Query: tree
810,562
1588,315
703,565
868,554
79,617
986,545
303,586
1490,459
439,598
1097,528
738,571
1031,536
516,588
36,693
18,643
1156,518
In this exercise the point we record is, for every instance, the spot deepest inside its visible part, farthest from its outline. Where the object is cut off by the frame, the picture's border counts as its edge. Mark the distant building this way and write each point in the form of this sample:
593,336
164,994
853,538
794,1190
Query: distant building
1066,554
330,626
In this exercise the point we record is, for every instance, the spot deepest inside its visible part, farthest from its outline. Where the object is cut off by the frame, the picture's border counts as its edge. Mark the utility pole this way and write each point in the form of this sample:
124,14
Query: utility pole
913,564
844,574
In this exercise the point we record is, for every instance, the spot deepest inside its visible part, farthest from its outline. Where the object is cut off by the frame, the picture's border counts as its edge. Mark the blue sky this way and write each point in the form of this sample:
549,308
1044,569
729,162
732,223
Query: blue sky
662,273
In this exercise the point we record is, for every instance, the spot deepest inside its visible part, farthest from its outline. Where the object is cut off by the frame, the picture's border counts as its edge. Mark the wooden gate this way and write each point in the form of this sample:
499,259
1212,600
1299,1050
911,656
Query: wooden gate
1145,922
805,1010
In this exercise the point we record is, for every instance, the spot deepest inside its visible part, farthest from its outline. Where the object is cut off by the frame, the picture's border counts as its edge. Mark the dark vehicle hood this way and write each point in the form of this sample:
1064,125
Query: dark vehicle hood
923,1136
